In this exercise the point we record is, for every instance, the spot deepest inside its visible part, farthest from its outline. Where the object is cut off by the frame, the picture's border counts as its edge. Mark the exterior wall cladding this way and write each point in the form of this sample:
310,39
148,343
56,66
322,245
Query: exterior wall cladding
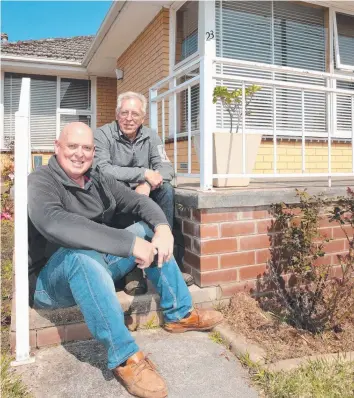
230,246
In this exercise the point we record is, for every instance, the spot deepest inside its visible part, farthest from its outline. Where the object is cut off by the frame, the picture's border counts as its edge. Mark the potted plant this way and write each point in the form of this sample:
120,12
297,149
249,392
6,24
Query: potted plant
227,149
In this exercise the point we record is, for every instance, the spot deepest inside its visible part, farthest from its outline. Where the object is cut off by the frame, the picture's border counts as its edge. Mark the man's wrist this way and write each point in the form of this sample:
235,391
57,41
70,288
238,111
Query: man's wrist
162,227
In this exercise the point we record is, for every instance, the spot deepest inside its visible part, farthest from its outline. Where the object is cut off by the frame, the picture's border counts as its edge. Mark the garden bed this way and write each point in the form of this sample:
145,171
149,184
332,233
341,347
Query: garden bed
277,338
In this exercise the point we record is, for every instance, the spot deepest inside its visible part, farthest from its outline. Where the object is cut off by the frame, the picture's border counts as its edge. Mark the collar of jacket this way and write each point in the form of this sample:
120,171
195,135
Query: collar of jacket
60,174
119,135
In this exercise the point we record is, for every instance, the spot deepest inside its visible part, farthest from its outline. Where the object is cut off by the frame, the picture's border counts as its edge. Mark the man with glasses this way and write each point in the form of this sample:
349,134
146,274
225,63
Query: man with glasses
134,154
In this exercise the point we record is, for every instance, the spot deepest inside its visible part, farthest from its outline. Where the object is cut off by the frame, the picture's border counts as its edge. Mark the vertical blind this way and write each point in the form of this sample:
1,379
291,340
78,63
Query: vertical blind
74,94
282,33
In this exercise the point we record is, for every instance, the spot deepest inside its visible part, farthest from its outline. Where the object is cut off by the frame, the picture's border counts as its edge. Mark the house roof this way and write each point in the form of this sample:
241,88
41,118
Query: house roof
69,49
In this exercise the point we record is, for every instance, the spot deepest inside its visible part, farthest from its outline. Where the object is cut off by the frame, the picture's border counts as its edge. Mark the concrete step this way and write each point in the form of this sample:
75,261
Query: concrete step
48,327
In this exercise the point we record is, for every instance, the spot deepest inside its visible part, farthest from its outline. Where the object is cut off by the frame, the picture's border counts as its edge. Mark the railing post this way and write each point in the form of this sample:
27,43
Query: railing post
22,159
153,111
206,124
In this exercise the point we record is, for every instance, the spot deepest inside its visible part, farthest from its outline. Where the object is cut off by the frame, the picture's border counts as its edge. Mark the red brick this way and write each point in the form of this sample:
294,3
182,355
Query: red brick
335,257
218,277
238,287
237,228
254,215
251,272
187,242
210,216
77,331
324,222
202,263
326,232
334,246
338,233
190,228
215,246
264,226
254,242
325,260
262,256
237,259
208,231
50,336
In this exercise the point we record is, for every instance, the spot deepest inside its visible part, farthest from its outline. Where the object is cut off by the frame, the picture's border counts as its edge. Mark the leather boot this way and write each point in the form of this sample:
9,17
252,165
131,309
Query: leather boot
197,320
139,376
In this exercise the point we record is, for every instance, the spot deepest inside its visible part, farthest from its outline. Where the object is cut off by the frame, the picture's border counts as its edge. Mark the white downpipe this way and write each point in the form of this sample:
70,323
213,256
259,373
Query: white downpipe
22,161
153,111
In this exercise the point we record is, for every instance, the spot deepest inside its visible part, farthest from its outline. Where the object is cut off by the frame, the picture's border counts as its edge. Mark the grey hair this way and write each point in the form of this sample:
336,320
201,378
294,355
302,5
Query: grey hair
131,95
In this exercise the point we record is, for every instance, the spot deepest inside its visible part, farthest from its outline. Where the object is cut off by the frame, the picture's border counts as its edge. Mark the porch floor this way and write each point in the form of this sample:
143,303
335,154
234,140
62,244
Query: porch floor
272,183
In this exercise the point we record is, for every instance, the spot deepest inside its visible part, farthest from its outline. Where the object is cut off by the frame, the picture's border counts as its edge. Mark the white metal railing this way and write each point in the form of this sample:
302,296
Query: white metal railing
22,168
207,78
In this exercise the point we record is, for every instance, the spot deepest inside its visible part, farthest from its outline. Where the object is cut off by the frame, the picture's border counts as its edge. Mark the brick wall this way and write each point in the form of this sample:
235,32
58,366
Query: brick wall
230,247
106,100
146,61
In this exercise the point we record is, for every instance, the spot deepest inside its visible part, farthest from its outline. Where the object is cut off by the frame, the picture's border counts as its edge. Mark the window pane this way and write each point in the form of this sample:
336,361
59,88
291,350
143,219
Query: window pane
75,94
299,36
12,90
345,27
186,30
65,119
43,111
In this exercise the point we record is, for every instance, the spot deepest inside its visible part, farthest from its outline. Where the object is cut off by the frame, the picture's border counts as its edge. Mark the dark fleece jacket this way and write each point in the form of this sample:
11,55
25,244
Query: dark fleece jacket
61,214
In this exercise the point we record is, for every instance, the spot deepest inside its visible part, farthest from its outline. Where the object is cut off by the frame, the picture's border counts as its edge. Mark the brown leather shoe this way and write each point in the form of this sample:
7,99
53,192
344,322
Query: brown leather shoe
197,320
139,376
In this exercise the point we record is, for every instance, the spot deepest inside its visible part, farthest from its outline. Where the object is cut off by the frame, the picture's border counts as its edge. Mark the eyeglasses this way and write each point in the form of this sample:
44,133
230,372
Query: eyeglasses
134,115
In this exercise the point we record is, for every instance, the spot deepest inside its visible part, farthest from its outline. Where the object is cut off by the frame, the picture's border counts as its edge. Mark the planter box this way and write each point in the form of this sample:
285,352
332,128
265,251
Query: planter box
227,150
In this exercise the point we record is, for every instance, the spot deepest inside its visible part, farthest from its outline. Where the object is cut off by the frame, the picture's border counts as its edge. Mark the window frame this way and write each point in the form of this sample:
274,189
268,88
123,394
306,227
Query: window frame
339,65
59,111
173,25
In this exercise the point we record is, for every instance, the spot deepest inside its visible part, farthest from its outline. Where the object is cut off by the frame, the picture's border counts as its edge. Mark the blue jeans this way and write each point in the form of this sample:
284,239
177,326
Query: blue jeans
86,278
165,198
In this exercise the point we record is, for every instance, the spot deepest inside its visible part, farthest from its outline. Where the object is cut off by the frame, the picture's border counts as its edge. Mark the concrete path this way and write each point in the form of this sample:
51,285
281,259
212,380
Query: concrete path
193,365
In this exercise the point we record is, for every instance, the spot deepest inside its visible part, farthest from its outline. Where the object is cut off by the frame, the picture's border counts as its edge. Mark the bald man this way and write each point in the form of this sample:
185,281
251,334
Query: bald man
75,256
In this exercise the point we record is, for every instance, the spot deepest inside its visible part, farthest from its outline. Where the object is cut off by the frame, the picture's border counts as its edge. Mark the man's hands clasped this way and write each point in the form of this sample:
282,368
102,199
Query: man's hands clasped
154,178
161,244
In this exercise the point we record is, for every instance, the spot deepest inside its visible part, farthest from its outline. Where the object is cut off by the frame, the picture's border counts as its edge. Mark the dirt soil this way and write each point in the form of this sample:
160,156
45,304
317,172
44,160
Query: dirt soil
279,339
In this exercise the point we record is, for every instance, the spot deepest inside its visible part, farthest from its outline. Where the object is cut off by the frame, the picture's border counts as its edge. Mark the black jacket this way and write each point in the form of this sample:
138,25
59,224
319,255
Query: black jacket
61,214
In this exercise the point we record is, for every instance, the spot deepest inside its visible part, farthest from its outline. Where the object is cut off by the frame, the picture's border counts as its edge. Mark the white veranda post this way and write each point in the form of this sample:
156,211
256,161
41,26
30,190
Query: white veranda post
206,43
22,168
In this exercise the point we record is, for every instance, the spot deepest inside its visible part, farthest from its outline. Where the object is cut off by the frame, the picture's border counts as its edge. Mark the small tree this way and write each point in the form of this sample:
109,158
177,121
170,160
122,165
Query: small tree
232,101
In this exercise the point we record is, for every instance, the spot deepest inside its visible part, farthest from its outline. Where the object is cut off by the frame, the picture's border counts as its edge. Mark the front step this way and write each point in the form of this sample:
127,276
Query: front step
48,327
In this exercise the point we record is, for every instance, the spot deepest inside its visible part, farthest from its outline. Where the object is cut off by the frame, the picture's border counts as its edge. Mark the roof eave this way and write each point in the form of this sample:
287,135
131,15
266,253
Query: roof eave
109,19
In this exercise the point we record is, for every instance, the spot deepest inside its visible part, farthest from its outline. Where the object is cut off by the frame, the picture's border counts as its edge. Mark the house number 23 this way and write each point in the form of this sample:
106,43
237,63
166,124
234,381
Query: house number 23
210,35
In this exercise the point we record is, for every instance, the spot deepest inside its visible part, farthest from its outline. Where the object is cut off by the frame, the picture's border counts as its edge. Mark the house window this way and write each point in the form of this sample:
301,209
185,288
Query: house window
74,105
283,33
186,30
344,41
